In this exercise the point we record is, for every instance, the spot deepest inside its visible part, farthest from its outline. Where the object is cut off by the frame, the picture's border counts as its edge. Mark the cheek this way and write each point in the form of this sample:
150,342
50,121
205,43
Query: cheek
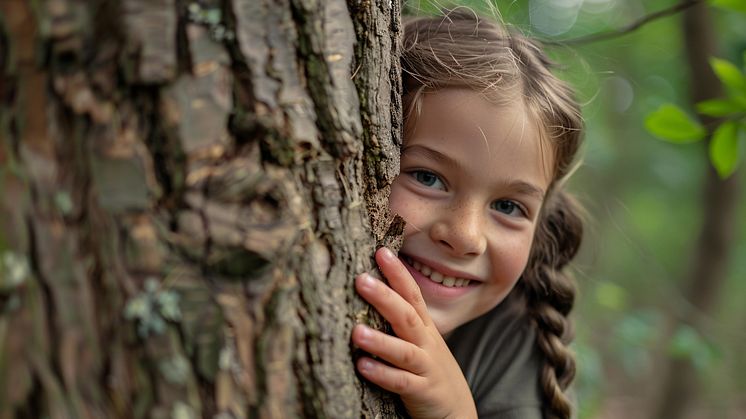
510,261
402,202
397,198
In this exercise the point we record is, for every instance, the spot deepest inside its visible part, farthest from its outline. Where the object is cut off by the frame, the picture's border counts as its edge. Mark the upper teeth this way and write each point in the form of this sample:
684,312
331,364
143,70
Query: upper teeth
448,281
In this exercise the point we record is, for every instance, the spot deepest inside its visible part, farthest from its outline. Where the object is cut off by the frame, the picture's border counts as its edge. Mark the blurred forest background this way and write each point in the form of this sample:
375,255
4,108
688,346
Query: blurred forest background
646,202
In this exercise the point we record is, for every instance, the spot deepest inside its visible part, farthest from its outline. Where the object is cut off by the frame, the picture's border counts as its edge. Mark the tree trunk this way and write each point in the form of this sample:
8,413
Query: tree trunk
710,256
188,188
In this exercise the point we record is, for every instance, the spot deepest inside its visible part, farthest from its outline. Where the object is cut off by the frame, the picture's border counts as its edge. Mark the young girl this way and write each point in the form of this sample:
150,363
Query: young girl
476,296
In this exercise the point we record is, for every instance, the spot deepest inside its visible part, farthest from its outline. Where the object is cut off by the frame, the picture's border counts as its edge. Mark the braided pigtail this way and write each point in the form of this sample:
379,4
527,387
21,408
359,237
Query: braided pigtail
550,294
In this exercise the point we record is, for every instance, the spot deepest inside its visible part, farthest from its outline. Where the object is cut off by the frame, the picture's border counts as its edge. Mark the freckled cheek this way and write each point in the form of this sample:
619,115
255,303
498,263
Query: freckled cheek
509,261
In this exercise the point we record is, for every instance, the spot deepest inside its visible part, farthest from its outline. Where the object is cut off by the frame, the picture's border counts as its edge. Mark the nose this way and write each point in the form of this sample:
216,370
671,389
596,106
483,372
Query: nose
461,231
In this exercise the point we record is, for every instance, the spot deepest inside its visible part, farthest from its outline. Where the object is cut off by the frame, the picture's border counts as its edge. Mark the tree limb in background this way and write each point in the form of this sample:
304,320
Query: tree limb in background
605,36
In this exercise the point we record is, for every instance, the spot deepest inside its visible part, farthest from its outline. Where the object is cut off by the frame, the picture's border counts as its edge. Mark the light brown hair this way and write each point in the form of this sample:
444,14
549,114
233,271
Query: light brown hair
463,50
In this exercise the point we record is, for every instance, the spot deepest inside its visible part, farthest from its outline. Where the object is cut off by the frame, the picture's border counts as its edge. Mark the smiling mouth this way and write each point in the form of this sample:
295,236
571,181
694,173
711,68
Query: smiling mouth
433,275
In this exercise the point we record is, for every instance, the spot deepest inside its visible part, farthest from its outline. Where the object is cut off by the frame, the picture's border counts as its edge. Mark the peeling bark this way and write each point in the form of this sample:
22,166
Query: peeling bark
188,189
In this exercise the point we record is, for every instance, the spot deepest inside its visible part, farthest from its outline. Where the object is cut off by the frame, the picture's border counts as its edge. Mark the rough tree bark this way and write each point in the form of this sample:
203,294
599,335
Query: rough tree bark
188,187
710,257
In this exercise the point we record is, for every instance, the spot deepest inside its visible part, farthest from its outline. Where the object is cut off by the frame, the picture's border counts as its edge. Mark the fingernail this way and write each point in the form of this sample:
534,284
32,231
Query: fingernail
366,281
364,332
366,365
387,254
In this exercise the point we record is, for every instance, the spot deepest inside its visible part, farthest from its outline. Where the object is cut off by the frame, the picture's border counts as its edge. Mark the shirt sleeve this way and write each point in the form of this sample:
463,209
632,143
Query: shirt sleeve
498,355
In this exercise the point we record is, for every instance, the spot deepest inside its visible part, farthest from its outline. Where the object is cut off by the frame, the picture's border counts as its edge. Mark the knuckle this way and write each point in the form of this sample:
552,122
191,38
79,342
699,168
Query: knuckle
416,297
400,384
408,356
411,318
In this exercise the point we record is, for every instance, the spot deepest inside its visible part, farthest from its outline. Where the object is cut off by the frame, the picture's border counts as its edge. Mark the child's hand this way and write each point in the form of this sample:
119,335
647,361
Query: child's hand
421,368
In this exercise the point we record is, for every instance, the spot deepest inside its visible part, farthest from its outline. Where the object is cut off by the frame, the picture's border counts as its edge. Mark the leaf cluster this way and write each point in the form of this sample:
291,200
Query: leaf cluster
671,123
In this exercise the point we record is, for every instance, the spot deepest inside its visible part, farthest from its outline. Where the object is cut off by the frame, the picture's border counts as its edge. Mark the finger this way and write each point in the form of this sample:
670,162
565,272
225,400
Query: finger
401,281
390,378
405,321
391,349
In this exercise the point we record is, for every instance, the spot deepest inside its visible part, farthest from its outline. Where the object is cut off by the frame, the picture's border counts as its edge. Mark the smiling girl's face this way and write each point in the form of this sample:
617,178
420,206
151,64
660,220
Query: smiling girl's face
472,183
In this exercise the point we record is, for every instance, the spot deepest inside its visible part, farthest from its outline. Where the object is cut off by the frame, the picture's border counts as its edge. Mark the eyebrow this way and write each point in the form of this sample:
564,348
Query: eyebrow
431,154
526,188
520,186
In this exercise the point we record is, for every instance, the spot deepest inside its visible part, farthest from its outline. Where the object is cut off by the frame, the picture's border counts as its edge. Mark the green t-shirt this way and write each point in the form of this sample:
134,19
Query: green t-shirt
499,357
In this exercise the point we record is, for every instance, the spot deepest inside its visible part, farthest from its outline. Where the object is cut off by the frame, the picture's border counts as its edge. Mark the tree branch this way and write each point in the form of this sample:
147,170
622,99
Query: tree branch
604,36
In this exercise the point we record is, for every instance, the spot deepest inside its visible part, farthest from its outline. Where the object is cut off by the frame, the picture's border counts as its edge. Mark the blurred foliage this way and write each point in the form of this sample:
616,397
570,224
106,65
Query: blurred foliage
671,123
643,196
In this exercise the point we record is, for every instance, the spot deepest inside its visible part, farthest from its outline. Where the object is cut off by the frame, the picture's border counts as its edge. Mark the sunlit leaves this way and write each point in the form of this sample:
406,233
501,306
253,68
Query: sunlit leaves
724,148
671,123
720,107
730,76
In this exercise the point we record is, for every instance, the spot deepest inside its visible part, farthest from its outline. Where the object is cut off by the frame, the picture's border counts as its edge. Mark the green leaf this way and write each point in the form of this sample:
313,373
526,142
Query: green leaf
671,123
724,153
719,107
737,5
729,75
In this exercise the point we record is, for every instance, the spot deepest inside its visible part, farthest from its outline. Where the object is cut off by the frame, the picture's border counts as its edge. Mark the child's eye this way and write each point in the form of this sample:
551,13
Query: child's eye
429,179
508,207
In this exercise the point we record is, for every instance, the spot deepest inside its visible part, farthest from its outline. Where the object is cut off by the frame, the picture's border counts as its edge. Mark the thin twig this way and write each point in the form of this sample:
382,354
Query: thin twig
603,36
